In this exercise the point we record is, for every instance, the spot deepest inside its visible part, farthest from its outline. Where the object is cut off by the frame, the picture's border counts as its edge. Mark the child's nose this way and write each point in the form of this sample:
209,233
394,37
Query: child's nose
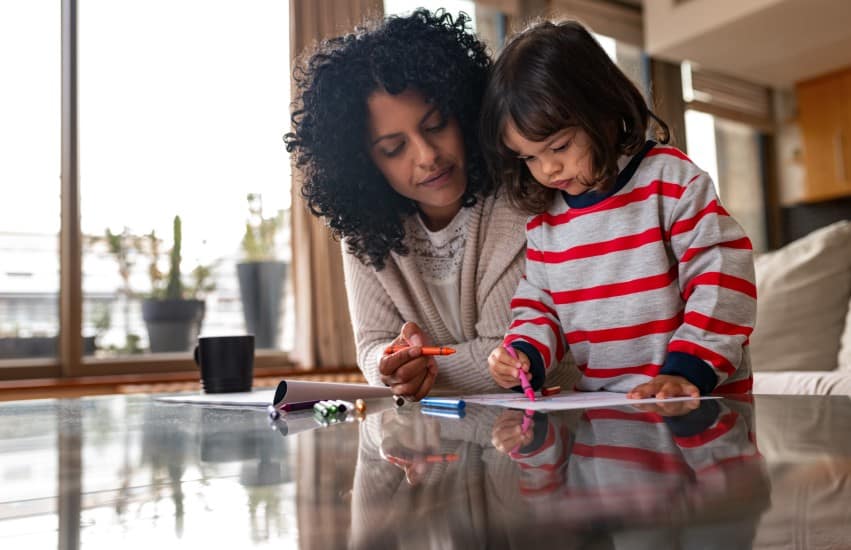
551,167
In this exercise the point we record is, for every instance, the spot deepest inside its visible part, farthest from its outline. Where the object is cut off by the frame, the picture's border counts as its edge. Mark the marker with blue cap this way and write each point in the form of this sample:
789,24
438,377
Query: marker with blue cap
442,402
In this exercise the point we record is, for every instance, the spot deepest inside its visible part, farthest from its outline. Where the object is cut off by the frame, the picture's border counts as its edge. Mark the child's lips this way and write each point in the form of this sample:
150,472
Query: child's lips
563,184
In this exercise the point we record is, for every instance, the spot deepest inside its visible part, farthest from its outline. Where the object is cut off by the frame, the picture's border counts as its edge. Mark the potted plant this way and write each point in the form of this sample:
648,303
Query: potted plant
261,275
173,312
124,247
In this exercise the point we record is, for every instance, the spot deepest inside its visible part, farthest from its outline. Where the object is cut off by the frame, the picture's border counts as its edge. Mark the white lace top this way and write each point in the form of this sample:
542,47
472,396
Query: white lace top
438,256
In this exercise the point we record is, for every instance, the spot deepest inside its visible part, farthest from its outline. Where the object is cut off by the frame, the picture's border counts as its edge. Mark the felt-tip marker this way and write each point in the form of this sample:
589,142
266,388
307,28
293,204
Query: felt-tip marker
524,380
442,402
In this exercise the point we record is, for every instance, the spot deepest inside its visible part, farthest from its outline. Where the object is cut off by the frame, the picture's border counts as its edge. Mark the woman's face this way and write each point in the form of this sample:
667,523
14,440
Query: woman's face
420,152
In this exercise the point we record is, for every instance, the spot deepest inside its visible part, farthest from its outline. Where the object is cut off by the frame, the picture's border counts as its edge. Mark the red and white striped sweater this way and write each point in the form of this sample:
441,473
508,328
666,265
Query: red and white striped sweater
654,278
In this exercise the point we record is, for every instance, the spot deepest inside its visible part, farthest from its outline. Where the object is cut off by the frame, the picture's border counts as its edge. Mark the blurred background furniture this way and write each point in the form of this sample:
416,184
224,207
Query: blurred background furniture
802,340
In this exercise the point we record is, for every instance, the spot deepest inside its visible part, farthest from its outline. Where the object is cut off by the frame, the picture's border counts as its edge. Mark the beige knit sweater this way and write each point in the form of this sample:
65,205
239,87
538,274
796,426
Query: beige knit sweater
380,302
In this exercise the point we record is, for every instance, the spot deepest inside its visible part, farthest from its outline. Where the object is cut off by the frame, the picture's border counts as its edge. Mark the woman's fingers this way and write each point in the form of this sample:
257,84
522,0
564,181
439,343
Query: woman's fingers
413,335
410,387
389,364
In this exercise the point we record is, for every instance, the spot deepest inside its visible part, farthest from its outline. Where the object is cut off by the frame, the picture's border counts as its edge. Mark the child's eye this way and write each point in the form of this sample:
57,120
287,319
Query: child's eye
525,159
562,147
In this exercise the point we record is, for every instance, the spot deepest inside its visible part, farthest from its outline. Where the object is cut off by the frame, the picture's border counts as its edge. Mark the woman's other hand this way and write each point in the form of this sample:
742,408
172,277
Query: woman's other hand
407,372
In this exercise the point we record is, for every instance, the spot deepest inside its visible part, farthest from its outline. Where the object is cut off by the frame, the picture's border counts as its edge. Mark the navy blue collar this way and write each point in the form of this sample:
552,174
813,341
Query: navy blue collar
590,198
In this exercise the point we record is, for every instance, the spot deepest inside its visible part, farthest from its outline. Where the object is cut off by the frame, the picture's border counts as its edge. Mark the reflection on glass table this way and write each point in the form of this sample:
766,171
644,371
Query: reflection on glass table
744,473
617,477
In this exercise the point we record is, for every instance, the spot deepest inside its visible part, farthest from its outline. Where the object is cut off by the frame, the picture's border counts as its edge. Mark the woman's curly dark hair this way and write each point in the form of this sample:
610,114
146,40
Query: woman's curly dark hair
431,53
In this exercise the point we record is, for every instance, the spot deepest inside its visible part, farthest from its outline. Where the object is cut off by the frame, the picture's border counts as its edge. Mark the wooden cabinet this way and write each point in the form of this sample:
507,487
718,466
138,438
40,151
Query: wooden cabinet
824,114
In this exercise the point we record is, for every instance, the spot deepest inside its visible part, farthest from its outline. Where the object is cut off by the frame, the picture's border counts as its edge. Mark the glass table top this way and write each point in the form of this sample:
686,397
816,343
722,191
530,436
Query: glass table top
758,472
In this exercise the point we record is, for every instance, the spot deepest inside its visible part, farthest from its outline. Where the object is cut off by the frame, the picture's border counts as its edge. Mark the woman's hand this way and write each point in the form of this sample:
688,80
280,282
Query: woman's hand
407,372
505,369
407,441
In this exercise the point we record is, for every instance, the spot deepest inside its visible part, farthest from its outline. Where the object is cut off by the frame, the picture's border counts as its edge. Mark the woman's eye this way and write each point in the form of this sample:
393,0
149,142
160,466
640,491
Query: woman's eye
394,151
440,125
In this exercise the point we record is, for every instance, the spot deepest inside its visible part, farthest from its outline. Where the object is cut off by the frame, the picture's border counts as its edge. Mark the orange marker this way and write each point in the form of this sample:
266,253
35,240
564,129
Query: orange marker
427,350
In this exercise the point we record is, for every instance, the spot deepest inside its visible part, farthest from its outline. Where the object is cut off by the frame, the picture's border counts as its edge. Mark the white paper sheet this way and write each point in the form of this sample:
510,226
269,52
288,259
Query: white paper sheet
262,398
567,400
297,390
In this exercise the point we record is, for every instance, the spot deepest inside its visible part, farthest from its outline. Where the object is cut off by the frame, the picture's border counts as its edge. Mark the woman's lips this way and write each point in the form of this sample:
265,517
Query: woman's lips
438,179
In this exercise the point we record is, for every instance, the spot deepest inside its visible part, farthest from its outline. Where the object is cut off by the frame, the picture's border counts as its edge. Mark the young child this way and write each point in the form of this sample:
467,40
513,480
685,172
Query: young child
632,263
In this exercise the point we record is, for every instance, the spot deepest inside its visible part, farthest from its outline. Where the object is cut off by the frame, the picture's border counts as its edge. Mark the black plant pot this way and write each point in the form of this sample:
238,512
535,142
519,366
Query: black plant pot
261,287
173,325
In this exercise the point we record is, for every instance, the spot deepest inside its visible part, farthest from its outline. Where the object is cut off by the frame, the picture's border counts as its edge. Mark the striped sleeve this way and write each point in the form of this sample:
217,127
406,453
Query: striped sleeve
534,319
728,440
543,463
716,278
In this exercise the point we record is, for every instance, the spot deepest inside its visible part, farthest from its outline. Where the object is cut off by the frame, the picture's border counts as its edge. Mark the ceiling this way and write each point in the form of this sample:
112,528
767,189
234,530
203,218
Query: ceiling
772,42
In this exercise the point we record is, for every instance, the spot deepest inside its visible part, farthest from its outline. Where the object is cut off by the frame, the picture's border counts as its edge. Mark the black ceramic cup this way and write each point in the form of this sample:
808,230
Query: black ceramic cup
226,363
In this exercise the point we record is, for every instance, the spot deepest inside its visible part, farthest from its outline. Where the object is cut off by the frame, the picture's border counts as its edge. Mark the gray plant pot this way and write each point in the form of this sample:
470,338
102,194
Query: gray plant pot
261,288
173,325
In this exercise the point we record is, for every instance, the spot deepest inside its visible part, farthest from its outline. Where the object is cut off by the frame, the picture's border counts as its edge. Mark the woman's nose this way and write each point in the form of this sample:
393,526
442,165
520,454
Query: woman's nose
427,153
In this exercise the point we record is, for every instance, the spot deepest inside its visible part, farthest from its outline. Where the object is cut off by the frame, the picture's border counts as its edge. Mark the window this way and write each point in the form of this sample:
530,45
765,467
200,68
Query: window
181,116
724,121
181,109
29,177
630,59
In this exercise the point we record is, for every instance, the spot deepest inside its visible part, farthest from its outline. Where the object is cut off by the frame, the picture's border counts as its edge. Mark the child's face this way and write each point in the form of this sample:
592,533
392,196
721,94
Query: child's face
419,151
561,161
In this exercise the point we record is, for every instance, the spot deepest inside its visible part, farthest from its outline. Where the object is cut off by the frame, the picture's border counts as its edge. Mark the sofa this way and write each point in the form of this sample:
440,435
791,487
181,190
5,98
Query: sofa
802,340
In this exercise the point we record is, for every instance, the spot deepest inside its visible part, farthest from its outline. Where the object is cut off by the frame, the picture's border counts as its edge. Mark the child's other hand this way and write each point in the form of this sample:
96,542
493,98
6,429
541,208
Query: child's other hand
503,367
663,386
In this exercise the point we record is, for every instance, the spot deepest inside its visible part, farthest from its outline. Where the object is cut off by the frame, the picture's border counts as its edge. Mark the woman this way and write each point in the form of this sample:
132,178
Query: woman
385,133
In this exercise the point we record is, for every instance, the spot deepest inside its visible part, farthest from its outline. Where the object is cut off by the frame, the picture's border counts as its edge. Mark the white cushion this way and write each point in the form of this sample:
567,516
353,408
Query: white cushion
803,383
845,344
803,290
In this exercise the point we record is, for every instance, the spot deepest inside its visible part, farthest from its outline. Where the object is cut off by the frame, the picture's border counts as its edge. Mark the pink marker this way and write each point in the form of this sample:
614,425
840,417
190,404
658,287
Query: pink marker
524,380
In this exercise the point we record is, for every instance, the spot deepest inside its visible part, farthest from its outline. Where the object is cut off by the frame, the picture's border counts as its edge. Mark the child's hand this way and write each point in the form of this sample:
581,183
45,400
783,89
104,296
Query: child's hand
664,385
504,368
511,431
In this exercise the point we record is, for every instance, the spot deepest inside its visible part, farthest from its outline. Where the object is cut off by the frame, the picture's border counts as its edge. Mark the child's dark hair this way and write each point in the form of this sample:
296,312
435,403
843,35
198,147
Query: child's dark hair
552,76
432,53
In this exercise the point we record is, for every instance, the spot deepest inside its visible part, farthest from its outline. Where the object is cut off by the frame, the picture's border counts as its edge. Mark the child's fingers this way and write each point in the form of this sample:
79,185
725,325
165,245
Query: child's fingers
642,391
501,355
503,368
677,389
